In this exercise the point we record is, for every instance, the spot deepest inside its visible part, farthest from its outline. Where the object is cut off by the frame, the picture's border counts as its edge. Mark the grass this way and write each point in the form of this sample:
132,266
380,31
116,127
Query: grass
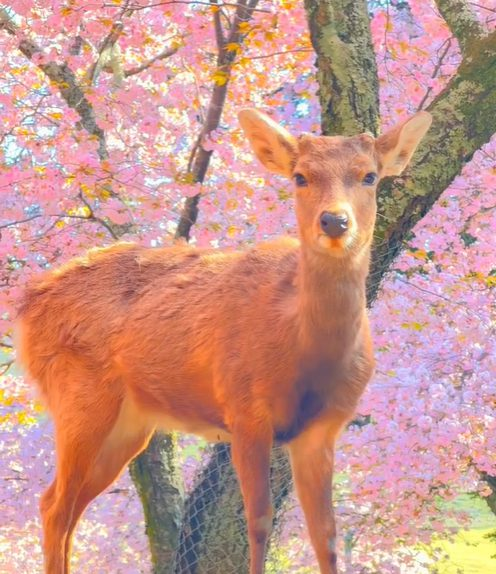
471,550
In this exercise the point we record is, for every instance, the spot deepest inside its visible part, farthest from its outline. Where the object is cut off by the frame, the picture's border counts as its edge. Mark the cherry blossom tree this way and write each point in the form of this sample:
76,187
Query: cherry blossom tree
119,122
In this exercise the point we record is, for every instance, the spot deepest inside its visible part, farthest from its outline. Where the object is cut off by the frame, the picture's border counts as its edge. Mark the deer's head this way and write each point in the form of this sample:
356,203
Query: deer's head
335,177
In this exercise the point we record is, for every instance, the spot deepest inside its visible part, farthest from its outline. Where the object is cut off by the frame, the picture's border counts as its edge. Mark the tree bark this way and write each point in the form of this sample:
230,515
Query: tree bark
158,480
214,536
462,22
491,499
346,67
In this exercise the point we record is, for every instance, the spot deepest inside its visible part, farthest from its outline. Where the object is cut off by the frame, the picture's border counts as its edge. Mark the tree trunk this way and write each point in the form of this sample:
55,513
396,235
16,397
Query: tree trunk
346,67
491,498
159,481
463,121
214,536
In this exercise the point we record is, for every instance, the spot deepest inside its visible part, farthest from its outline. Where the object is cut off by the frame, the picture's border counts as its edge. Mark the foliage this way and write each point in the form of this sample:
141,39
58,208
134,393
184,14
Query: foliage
90,156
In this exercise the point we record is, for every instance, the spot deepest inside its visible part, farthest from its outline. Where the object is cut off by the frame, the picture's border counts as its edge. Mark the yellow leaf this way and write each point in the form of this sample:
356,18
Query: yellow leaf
70,178
244,27
220,77
17,71
420,254
233,47
413,325
25,419
232,230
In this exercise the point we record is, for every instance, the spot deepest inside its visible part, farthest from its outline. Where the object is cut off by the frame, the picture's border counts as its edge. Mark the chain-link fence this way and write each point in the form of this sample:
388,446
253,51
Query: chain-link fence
211,535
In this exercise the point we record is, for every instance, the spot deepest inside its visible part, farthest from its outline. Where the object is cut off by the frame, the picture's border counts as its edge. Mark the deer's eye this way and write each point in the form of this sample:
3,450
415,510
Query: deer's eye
300,180
370,178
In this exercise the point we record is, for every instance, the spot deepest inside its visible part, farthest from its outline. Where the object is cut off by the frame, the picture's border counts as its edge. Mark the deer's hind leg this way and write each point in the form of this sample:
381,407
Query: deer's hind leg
85,415
122,444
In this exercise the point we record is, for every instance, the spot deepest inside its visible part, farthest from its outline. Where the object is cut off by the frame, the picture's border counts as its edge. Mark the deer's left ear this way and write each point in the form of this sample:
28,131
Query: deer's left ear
395,148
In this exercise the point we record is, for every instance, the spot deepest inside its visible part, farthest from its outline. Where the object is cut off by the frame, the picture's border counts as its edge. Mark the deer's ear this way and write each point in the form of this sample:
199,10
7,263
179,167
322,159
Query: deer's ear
395,148
273,145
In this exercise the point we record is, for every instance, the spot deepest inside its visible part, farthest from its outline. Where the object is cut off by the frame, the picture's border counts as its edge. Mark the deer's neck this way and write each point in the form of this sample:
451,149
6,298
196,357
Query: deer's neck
331,303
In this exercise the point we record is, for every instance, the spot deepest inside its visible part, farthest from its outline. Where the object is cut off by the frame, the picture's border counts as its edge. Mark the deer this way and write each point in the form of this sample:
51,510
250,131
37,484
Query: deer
259,346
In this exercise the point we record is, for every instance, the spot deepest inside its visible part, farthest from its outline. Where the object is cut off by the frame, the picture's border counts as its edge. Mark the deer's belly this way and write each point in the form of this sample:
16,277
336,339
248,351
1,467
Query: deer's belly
211,433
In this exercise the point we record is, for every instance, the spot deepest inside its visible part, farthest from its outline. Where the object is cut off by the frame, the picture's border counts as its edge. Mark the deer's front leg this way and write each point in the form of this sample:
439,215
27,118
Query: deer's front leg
312,460
251,447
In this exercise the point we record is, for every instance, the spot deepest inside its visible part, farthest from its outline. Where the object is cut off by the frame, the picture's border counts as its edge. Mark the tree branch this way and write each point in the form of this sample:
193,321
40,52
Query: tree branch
219,32
166,53
109,57
200,157
462,22
437,69
464,121
65,80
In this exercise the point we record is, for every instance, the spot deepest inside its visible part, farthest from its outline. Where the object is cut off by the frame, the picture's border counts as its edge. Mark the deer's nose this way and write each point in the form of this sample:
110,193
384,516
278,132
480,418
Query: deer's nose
334,224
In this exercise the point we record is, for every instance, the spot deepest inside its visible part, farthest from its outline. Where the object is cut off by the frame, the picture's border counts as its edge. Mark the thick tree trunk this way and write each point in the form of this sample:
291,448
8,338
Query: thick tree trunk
159,481
214,537
491,499
346,67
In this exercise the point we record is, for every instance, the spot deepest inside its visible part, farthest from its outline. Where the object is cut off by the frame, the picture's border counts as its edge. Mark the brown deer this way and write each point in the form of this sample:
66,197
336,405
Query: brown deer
263,346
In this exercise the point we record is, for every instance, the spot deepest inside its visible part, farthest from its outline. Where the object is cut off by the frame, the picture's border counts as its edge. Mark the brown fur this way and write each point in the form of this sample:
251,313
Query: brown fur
269,344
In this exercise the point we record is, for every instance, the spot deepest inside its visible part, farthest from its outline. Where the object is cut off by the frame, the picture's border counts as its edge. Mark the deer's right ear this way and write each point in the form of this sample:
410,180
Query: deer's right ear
273,145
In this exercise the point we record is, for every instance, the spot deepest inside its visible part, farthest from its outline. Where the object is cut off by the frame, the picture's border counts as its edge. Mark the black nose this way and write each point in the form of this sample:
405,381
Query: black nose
334,224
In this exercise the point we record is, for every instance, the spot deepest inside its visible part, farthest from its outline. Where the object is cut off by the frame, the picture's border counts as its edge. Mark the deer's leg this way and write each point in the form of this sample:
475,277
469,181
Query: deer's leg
113,457
81,426
312,459
251,447
48,497
57,504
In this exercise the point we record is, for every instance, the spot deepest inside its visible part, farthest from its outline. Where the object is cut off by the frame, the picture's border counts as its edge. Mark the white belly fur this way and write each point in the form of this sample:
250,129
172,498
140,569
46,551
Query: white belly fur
133,420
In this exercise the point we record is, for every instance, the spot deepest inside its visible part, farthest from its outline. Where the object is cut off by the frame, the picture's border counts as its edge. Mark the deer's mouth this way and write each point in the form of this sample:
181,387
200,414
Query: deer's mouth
336,246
